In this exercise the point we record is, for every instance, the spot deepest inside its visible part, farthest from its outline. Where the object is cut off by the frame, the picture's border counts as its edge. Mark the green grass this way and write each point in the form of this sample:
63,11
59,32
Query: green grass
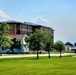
42,66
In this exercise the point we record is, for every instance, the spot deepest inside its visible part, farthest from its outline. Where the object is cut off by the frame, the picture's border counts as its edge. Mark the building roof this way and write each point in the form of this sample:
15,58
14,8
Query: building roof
16,36
10,21
25,23
32,24
68,43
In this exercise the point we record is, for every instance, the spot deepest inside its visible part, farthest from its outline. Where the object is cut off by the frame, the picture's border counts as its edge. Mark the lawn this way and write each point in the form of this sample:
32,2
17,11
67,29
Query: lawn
42,66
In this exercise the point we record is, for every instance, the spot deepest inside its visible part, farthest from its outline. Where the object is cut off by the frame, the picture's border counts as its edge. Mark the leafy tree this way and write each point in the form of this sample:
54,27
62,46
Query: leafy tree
4,29
59,45
5,41
37,41
48,44
16,44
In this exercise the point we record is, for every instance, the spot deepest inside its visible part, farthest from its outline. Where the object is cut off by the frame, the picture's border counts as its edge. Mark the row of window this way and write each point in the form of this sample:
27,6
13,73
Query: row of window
46,29
23,32
26,27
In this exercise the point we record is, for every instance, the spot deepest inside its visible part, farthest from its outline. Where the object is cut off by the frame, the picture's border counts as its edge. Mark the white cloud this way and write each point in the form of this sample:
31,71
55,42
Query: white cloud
3,15
41,20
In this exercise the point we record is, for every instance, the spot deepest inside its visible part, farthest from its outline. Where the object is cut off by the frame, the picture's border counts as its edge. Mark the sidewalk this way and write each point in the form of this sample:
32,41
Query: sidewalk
32,55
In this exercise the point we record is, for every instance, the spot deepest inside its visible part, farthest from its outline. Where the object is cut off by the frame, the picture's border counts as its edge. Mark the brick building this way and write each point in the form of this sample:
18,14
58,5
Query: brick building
26,28
18,29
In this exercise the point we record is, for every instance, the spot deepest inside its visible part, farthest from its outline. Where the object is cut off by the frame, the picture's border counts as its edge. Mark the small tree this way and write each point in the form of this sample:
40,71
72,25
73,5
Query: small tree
48,44
5,41
35,41
59,45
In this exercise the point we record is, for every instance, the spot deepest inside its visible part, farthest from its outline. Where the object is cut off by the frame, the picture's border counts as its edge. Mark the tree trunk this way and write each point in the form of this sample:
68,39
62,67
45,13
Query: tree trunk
37,55
60,54
48,54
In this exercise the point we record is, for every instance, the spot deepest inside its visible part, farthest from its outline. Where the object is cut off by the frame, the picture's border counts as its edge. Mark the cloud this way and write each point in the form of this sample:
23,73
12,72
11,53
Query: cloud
41,20
3,15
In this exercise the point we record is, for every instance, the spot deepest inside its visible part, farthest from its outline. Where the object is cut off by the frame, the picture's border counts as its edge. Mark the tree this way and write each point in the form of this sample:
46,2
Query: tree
37,41
48,44
16,44
59,45
5,41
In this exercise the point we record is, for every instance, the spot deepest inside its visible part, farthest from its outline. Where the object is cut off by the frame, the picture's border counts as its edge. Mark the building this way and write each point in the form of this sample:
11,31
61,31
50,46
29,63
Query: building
26,28
68,46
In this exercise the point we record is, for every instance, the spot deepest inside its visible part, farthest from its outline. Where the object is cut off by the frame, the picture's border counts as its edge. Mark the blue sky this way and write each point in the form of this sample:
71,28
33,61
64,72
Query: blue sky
58,14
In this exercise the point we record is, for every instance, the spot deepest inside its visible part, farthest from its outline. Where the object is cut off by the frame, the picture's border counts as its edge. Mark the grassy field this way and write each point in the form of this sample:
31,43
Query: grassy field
42,66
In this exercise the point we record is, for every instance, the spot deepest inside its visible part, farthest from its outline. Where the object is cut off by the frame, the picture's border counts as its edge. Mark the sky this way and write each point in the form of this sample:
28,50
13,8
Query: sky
58,14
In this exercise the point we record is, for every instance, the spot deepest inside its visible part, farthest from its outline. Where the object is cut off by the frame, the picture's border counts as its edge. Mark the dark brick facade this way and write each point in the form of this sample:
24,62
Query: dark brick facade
27,28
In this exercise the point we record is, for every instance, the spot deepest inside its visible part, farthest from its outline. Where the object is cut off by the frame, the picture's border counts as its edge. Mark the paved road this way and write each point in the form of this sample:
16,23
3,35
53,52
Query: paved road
31,55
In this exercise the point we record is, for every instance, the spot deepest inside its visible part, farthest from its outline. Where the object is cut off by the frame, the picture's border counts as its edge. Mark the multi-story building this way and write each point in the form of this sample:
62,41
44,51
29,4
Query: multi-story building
26,27
18,29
